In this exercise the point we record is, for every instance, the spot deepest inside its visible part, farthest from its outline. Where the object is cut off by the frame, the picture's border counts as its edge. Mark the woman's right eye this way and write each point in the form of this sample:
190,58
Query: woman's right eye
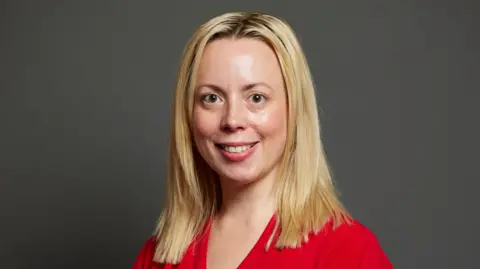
210,98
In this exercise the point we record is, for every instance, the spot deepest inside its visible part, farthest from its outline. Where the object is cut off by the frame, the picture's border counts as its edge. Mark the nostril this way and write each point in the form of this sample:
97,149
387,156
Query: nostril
231,127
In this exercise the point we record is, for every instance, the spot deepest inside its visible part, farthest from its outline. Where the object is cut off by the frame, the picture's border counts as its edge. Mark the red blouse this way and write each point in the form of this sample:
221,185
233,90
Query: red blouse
346,247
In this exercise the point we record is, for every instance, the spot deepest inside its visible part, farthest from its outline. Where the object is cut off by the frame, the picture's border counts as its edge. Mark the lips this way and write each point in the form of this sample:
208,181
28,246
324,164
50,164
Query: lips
238,151
236,147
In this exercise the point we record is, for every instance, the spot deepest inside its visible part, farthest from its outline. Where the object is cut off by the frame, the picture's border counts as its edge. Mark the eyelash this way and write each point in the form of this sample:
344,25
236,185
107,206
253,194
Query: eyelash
205,96
258,94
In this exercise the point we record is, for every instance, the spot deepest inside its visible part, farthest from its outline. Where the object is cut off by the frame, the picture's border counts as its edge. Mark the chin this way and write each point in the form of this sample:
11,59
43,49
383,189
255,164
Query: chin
238,178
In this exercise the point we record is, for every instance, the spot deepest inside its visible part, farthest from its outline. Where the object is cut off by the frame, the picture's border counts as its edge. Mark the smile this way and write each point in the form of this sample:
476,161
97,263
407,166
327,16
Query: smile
237,152
235,149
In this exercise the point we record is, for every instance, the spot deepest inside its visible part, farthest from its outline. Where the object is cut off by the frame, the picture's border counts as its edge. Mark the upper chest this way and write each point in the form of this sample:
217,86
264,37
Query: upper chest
307,256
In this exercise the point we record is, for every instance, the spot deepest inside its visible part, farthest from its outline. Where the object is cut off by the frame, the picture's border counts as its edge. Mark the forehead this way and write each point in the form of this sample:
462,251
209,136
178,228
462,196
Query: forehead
246,60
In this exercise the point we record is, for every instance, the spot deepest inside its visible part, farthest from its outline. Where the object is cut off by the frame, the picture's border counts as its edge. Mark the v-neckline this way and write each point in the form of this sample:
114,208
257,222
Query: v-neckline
262,240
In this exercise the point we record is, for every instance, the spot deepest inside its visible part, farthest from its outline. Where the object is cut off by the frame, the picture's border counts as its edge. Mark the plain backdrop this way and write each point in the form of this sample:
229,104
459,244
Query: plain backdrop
85,94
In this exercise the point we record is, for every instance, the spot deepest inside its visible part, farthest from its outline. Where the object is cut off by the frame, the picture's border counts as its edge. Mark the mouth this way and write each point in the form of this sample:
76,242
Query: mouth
236,148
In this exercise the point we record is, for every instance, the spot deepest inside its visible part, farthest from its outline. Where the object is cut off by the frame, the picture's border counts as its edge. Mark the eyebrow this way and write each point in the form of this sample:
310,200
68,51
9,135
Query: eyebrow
246,87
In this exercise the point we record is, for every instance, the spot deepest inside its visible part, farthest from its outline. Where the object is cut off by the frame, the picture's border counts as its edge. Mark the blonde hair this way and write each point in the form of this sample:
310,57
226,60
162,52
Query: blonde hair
306,196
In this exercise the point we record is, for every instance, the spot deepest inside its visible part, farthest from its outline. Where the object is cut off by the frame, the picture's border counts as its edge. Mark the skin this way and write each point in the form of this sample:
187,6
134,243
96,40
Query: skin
240,97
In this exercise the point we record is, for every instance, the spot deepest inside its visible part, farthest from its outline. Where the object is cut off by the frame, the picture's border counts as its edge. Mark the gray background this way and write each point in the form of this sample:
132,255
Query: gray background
85,92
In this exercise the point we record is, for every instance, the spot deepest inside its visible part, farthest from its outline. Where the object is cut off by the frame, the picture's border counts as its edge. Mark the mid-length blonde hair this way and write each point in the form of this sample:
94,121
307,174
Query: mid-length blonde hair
306,196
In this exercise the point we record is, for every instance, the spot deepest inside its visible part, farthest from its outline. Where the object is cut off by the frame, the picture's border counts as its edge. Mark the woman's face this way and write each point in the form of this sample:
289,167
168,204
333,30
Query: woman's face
239,114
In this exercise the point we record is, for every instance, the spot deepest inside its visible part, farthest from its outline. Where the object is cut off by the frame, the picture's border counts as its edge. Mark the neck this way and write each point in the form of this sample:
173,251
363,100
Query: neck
248,204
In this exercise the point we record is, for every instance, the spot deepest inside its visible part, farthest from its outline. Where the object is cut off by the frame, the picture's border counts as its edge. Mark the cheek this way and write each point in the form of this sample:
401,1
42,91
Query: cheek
271,123
203,125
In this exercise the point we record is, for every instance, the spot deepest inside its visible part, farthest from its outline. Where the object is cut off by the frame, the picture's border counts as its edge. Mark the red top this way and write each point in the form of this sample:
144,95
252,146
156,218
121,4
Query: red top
346,247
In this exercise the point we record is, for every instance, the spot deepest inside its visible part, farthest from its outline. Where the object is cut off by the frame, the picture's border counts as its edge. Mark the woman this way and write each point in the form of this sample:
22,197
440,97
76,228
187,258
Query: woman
248,183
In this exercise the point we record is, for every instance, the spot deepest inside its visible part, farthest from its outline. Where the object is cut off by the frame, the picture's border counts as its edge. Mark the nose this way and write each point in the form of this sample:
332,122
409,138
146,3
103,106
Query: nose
234,116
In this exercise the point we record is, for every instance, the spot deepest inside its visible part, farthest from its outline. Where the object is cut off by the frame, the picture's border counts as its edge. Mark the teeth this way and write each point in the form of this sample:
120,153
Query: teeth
236,149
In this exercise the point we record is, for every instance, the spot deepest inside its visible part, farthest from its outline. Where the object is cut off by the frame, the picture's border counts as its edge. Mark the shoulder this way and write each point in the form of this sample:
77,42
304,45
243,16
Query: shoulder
351,245
351,232
144,259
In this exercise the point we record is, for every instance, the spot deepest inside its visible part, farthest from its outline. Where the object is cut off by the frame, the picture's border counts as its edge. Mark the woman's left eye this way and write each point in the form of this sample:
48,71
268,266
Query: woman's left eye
257,98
